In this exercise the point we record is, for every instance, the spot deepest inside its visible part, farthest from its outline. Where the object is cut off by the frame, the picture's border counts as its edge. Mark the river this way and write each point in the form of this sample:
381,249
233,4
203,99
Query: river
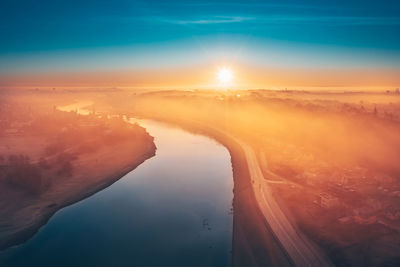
172,210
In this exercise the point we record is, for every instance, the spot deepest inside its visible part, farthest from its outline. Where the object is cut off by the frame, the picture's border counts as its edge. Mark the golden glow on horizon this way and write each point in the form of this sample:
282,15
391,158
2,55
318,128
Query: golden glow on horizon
215,76
225,76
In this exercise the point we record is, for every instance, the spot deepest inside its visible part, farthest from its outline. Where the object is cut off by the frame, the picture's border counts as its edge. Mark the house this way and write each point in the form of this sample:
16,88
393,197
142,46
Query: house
345,220
328,200
364,220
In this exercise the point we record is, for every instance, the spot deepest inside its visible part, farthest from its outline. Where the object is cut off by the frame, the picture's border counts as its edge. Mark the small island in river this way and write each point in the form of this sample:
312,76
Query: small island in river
50,159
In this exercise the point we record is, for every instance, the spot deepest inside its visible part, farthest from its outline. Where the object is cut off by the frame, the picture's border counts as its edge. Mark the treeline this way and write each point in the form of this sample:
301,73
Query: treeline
34,178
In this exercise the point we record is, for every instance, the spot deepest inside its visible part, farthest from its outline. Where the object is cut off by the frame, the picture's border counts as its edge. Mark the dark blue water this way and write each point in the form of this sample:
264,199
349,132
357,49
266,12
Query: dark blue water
173,210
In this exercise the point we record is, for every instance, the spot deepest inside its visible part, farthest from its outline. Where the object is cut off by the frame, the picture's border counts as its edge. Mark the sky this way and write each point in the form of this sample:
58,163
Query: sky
183,43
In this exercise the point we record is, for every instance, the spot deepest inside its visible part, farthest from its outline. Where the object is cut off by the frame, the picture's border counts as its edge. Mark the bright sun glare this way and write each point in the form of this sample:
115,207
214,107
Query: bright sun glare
224,76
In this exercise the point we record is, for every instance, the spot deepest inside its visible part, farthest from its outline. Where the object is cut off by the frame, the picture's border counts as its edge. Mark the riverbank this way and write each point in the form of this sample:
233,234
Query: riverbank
317,157
176,205
93,172
50,159
253,242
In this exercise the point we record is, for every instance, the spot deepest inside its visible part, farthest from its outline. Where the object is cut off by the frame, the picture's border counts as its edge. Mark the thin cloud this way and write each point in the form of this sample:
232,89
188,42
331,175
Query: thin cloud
274,20
323,20
211,20
329,20
281,20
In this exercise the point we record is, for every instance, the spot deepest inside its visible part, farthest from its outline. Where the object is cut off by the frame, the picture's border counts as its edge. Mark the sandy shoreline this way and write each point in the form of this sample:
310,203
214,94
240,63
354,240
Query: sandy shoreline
92,173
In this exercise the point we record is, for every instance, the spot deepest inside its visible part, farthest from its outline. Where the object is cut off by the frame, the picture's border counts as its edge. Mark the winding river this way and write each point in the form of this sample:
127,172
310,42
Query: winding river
173,210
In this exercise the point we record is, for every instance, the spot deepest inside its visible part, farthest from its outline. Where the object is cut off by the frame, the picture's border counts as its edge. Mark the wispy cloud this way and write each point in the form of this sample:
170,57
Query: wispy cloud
208,20
329,20
282,20
259,20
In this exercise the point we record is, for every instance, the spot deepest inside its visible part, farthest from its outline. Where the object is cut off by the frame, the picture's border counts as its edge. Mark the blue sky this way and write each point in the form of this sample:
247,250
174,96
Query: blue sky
53,35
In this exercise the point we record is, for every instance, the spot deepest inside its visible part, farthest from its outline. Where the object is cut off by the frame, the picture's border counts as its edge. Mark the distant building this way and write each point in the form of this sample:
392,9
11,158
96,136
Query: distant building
328,200
362,220
11,131
393,215
384,179
374,205
308,177
345,220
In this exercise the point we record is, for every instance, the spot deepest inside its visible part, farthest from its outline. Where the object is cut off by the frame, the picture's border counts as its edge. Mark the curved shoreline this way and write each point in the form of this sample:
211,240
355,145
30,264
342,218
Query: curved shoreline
260,237
253,241
25,232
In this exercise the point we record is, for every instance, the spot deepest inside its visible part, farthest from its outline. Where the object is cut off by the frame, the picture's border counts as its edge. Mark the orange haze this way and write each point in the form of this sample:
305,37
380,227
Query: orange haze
205,76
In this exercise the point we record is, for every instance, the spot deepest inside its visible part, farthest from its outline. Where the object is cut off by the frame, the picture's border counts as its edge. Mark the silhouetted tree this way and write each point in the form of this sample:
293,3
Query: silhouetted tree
22,174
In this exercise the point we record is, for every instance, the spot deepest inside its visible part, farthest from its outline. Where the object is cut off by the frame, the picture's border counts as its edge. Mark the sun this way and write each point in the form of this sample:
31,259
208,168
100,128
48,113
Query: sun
224,76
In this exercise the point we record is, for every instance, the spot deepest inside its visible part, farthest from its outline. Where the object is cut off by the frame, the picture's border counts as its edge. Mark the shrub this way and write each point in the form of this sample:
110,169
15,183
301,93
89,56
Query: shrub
25,175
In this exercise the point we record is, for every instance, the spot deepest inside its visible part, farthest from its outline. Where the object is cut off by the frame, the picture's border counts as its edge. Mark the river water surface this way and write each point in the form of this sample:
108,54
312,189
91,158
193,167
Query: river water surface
172,210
